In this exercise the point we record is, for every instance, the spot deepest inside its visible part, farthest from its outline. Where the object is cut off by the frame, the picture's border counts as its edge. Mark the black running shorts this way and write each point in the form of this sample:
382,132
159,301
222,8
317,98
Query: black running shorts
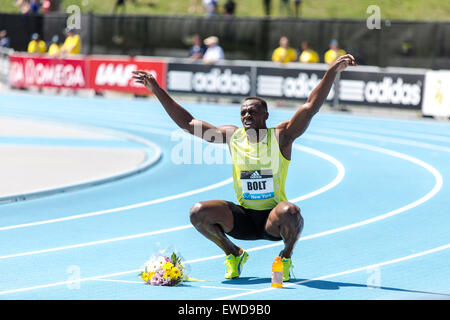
249,224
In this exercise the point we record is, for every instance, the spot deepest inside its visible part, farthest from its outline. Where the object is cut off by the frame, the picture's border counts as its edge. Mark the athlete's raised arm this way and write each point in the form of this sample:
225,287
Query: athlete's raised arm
180,115
296,126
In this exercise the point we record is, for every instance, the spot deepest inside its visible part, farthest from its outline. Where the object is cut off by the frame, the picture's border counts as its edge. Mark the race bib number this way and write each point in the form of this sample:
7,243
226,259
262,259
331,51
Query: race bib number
257,185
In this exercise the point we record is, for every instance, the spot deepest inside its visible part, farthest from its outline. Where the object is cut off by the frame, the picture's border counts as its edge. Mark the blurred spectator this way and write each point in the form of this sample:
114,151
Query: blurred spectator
229,7
24,6
35,6
36,45
214,52
54,48
334,52
46,6
121,4
284,53
308,55
297,7
407,49
72,44
198,49
210,7
285,7
4,40
267,7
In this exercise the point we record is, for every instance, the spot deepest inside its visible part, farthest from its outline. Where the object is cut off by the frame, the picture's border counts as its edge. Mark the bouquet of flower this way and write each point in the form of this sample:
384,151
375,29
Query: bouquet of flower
161,270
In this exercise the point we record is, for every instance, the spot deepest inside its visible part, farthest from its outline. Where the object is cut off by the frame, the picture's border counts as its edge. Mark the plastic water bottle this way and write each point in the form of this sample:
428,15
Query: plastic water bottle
277,273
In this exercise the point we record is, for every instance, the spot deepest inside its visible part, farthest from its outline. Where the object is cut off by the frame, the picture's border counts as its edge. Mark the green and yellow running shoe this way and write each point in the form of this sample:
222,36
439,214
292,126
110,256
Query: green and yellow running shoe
234,265
287,268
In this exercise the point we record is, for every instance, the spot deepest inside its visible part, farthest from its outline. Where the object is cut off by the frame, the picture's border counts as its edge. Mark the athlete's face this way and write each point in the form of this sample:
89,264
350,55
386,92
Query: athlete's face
253,115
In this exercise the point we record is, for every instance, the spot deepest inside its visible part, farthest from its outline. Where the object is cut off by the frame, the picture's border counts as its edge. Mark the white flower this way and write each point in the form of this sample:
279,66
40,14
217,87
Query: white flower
151,265
161,261
154,264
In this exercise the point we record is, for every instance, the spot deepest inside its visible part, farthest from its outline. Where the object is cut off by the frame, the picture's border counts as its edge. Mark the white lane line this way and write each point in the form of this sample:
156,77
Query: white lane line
385,139
129,207
371,119
392,133
116,274
333,275
336,180
226,288
68,282
339,177
92,243
121,281
142,283
436,188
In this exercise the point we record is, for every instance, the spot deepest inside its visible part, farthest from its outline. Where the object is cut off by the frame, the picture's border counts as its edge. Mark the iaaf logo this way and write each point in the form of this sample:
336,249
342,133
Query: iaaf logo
32,73
216,81
117,74
395,93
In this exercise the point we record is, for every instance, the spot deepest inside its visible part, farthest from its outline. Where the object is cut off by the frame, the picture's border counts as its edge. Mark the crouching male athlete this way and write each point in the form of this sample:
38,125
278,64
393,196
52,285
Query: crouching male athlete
260,157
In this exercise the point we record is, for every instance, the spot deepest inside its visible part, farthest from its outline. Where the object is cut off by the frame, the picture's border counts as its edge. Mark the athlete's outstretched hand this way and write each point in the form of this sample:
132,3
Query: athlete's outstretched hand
145,78
343,62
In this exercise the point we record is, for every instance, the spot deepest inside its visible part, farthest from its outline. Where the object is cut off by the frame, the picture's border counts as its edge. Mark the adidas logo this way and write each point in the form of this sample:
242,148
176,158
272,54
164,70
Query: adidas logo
255,175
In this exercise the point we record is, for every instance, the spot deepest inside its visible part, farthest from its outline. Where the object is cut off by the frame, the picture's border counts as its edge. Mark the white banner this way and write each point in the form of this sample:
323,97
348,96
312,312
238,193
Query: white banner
436,98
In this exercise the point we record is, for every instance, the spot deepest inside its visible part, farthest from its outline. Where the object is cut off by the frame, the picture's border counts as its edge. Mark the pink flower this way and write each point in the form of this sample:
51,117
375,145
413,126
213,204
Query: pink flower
157,280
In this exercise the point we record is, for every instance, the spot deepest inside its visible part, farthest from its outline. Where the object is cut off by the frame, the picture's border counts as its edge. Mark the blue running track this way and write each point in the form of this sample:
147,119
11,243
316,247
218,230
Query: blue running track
374,193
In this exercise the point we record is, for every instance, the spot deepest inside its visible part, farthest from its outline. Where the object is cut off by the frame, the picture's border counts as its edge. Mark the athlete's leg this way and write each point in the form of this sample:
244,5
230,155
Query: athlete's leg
285,221
212,219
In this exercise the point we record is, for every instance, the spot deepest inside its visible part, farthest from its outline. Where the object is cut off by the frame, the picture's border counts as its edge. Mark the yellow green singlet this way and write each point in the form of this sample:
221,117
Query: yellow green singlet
259,170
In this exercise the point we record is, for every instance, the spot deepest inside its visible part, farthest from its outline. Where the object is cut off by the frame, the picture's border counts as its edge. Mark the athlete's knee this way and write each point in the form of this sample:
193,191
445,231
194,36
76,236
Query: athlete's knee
289,210
292,213
197,213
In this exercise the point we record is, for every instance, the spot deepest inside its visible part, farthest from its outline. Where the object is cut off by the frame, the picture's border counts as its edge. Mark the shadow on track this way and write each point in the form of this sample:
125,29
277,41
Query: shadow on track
324,285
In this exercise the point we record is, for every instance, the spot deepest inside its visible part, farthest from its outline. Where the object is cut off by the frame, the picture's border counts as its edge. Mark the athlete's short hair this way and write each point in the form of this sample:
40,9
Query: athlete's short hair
262,102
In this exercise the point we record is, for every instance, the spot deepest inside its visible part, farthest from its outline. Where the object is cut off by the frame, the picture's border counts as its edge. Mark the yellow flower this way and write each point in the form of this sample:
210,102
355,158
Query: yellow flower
175,272
167,266
147,276
167,274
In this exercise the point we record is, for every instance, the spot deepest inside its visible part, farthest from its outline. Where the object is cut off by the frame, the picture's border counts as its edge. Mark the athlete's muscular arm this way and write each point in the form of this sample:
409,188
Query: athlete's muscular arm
296,126
181,116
